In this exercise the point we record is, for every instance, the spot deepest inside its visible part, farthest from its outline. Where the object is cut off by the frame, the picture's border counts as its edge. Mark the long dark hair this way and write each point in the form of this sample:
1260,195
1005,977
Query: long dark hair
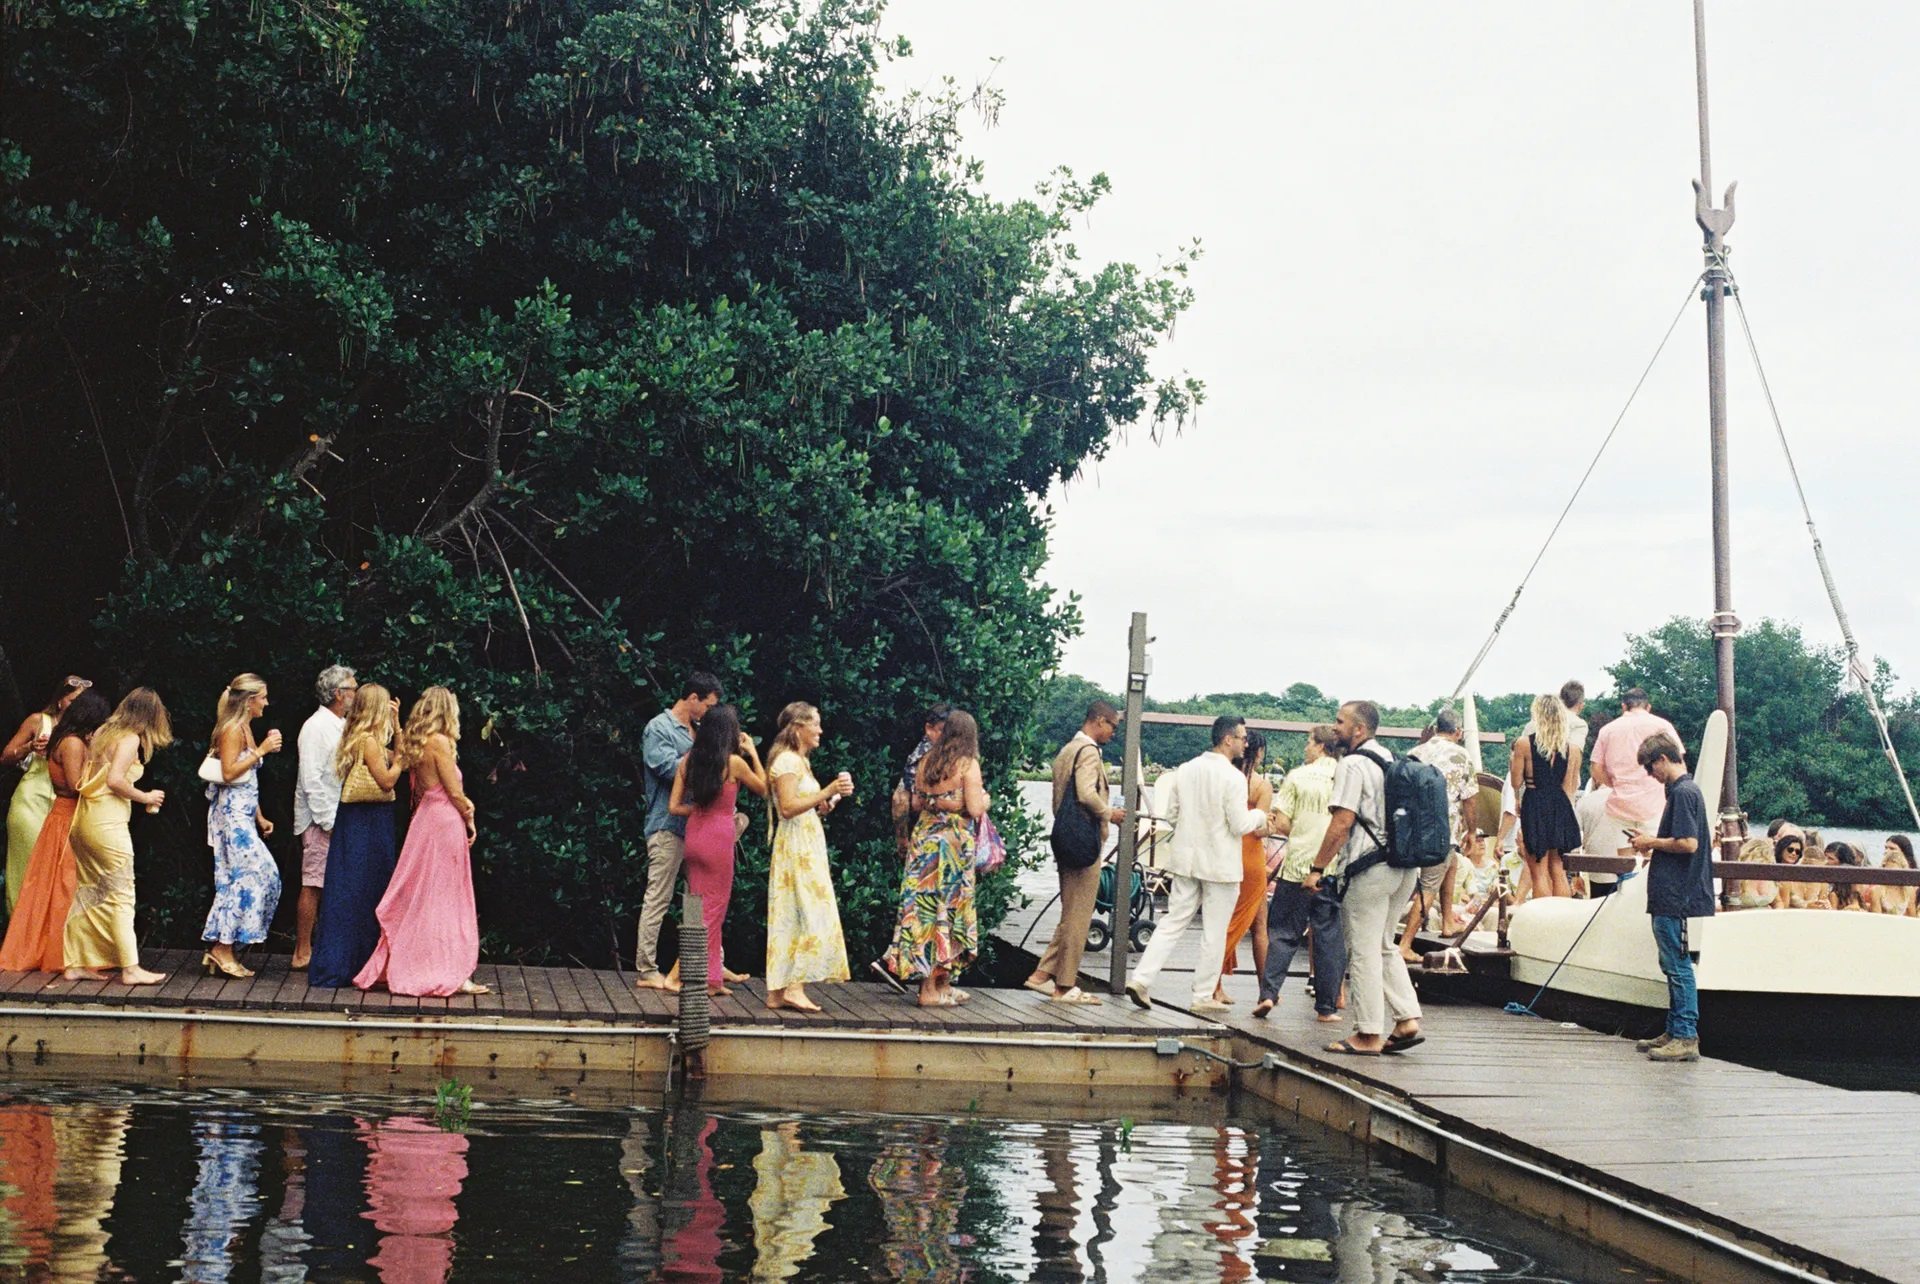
82,718
1250,757
51,708
960,742
715,741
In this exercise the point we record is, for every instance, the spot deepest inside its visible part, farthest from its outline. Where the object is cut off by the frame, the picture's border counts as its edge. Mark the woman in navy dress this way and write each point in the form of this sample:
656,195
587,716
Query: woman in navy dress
361,854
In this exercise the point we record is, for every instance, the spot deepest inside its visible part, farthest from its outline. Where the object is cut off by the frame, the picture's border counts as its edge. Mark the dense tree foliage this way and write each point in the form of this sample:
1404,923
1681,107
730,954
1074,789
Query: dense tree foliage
1807,745
546,349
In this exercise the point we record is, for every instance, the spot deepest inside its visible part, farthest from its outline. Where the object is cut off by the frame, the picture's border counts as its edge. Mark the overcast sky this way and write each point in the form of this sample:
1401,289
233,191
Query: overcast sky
1441,241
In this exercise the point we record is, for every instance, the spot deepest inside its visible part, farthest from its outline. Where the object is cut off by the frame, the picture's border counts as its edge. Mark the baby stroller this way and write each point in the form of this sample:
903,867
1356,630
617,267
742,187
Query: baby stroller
1147,886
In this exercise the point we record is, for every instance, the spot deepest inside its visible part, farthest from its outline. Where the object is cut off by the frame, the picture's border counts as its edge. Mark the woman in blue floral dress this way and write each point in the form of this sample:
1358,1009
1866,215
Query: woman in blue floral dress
246,880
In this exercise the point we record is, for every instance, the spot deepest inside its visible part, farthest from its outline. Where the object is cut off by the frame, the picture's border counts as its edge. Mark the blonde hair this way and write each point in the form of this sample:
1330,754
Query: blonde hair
1549,725
232,709
436,712
786,738
140,714
369,718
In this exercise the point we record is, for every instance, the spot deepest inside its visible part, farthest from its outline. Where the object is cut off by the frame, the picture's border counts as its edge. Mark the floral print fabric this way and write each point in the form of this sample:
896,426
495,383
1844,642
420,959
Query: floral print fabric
804,941
937,924
246,881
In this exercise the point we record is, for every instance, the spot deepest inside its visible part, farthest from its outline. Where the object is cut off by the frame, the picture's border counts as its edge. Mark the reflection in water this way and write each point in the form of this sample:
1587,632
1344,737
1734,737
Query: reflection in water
290,1188
413,1172
285,1239
794,1190
225,1197
694,1217
640,1246
89,1141
920,1197
27,1212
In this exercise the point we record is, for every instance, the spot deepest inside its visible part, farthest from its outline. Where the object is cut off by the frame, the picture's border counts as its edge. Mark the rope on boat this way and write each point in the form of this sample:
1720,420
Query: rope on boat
1517,1009
1855,665
1486,648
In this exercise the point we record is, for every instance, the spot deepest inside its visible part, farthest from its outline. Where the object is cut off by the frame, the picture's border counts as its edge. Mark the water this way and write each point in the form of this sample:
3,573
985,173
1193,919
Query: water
207,1186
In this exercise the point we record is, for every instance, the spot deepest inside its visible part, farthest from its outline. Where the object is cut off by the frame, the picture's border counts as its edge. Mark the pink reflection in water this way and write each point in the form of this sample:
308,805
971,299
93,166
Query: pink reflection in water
414,1170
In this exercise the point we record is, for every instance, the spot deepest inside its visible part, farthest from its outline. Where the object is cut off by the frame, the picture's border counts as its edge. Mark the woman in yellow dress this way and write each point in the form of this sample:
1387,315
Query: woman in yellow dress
33,796
804,941
100,924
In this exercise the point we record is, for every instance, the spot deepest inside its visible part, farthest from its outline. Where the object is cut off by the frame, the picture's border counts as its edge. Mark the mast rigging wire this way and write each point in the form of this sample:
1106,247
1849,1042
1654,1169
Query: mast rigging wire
1486,647
1854,664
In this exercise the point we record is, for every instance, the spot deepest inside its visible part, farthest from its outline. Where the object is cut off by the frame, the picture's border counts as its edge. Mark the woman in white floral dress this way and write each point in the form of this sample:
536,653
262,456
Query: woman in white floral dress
804,942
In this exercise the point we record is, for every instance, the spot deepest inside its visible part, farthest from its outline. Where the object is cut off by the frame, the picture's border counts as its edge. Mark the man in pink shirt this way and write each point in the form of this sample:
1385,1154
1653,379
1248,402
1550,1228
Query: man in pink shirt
1638,799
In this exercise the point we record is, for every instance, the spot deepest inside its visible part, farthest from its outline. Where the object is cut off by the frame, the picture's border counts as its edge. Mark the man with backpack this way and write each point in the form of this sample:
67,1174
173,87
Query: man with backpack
1079,781
1373,888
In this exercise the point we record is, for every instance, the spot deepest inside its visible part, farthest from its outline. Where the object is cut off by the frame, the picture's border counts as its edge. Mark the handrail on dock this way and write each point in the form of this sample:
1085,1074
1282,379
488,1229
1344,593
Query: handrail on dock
1290,724
1760,871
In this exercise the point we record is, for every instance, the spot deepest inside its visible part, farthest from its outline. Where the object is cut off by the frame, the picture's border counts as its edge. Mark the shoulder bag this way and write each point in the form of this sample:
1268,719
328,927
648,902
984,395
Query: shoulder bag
1076,834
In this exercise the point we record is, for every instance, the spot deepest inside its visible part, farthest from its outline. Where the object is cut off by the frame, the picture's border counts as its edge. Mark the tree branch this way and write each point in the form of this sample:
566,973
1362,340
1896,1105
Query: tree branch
496,423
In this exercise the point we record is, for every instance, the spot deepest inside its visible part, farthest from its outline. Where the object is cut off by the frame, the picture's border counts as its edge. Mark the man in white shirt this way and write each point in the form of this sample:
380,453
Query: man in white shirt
316,796
1210,816
1371,899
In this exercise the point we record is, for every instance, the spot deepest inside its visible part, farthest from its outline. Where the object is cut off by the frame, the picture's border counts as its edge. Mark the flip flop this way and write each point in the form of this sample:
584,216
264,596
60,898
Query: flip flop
1347,1049
1401,1042
1076,995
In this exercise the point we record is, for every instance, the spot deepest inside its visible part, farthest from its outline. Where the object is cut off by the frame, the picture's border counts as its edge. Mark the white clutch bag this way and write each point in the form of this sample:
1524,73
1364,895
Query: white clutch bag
210,770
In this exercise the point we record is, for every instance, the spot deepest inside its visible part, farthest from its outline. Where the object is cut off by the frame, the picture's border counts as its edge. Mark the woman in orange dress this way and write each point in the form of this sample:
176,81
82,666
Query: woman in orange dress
1250,911
37,932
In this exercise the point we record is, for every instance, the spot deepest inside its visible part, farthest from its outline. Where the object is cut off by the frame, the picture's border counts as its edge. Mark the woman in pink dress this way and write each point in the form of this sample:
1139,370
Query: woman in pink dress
705,785
429,932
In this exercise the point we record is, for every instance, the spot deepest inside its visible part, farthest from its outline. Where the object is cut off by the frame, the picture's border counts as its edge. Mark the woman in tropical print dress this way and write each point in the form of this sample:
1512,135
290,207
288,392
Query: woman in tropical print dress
246,879
804,942
938,933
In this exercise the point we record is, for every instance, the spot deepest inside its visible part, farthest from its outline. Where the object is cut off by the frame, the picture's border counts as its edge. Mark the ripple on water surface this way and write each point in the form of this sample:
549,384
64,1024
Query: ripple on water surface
217,1185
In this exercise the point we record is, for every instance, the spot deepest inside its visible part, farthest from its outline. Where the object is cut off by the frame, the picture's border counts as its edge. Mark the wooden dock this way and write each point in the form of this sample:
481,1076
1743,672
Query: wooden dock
1811,1176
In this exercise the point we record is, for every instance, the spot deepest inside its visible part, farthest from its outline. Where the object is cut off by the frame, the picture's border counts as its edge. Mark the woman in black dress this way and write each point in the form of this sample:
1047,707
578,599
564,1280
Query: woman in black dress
1546,773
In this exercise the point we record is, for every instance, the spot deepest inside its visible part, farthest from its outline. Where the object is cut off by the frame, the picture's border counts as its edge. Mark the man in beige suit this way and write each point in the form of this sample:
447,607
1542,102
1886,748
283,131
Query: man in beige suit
1079,780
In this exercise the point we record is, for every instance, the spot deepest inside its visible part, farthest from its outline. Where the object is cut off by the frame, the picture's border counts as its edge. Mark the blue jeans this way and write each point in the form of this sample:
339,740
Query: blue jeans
1683,998
1289,914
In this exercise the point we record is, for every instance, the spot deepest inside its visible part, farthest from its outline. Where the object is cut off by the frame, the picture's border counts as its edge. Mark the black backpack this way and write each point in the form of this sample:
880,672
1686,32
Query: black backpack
1419,817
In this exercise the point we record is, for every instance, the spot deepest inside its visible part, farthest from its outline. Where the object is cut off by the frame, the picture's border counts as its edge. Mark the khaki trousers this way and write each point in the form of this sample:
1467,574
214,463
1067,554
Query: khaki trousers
1377,980
1061,962
666,852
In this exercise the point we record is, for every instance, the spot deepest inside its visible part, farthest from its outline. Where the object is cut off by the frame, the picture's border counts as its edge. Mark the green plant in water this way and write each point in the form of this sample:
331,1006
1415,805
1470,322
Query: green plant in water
452,1105
1126,1134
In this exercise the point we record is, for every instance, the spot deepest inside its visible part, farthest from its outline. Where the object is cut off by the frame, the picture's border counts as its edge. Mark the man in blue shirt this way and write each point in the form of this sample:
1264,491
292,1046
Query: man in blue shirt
1679,887
665,742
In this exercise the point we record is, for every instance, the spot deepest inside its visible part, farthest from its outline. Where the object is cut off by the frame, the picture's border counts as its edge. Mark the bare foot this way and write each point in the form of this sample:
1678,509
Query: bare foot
300,962
1411,957
83,974
140,976
468,987
655,982
719,991
1328,1018
728,974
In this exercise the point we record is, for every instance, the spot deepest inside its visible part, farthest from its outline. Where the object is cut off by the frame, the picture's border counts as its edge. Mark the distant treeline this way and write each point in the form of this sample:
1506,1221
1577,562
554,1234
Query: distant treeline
1807,746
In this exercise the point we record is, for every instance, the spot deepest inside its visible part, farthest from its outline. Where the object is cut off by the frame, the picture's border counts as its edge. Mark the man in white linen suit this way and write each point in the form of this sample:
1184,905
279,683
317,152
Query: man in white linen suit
1209,815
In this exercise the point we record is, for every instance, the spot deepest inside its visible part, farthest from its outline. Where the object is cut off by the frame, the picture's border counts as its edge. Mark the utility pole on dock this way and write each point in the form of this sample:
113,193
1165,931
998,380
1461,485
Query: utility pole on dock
1137,669
1725,624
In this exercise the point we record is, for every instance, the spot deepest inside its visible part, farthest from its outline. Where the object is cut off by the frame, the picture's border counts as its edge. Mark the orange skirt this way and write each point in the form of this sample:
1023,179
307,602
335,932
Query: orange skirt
37,934
1253,896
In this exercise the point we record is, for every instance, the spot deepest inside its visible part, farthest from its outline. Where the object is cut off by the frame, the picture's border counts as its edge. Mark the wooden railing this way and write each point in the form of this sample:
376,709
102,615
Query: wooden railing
1288,724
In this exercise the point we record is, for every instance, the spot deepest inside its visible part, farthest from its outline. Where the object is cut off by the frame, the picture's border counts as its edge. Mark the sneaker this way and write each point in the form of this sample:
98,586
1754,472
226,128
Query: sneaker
1138,993
1660,1040
1209,1005
1676,1050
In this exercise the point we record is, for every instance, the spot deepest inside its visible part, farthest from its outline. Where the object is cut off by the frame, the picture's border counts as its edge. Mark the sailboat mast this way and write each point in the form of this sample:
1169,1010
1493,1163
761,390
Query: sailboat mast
1725,624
